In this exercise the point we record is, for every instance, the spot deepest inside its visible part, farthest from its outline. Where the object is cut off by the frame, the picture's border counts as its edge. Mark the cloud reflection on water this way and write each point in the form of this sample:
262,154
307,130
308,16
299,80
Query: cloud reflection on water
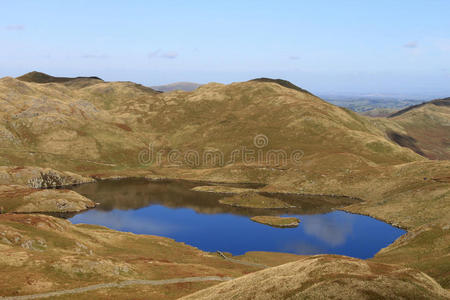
125,221
333,230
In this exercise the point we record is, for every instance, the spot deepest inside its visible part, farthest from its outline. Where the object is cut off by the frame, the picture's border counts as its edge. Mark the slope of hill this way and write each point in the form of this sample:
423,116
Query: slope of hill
325,277
177,86
437,102
426,127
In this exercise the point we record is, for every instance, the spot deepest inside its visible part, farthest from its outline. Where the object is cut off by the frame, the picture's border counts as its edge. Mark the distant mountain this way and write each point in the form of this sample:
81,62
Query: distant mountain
365,104
180,86
437,102
39,77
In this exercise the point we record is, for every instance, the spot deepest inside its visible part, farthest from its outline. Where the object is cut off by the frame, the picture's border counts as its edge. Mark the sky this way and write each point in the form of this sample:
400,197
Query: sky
327,47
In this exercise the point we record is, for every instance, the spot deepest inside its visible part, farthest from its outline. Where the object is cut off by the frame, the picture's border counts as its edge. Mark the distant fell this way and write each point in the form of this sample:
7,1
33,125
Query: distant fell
180,86
281,82
39,77
426,128
437,102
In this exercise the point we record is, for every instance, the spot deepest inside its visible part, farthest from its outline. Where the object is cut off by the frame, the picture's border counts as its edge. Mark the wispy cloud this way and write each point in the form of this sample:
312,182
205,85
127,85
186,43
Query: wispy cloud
163,54
16,27
94,56
293,57
169,55
411,45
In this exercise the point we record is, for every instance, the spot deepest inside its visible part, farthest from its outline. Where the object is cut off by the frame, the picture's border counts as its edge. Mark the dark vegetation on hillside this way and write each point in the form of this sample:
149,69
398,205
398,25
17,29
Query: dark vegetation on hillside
405,141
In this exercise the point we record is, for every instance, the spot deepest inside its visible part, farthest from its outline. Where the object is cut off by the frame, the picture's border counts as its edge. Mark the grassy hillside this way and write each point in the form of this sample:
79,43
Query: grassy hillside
107,124
325,277
427,128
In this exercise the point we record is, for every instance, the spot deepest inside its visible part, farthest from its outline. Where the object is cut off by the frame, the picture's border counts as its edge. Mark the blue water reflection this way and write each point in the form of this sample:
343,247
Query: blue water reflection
214,227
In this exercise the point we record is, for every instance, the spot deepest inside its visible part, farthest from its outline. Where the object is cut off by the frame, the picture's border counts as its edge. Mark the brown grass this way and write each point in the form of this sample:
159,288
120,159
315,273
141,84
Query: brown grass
80,255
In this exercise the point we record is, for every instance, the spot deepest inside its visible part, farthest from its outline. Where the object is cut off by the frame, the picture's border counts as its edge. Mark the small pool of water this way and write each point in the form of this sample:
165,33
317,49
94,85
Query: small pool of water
172,209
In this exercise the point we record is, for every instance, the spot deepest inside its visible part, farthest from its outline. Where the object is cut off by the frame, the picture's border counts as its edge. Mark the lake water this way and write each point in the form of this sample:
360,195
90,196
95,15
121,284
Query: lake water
172,209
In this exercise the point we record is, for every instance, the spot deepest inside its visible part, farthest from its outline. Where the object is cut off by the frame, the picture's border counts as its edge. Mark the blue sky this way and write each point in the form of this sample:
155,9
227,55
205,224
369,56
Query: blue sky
342,47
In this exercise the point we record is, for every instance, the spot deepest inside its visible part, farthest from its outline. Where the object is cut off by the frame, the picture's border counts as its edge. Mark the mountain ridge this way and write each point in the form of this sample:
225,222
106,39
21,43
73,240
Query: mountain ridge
437,102
426,128
39,77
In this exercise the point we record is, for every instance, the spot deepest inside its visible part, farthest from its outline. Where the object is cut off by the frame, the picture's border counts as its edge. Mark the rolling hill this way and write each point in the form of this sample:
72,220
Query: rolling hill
109,123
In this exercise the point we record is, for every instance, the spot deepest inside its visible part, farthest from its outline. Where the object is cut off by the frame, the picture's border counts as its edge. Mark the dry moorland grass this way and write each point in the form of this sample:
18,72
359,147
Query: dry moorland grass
322,276
40,253
428,127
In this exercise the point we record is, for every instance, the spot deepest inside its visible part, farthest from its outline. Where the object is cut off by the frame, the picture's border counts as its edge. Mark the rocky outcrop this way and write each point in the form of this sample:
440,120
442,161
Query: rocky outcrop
20,190
22,199
36,177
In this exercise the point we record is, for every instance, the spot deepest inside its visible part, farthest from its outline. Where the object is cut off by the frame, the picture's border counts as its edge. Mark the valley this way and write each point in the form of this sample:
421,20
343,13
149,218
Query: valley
79,134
